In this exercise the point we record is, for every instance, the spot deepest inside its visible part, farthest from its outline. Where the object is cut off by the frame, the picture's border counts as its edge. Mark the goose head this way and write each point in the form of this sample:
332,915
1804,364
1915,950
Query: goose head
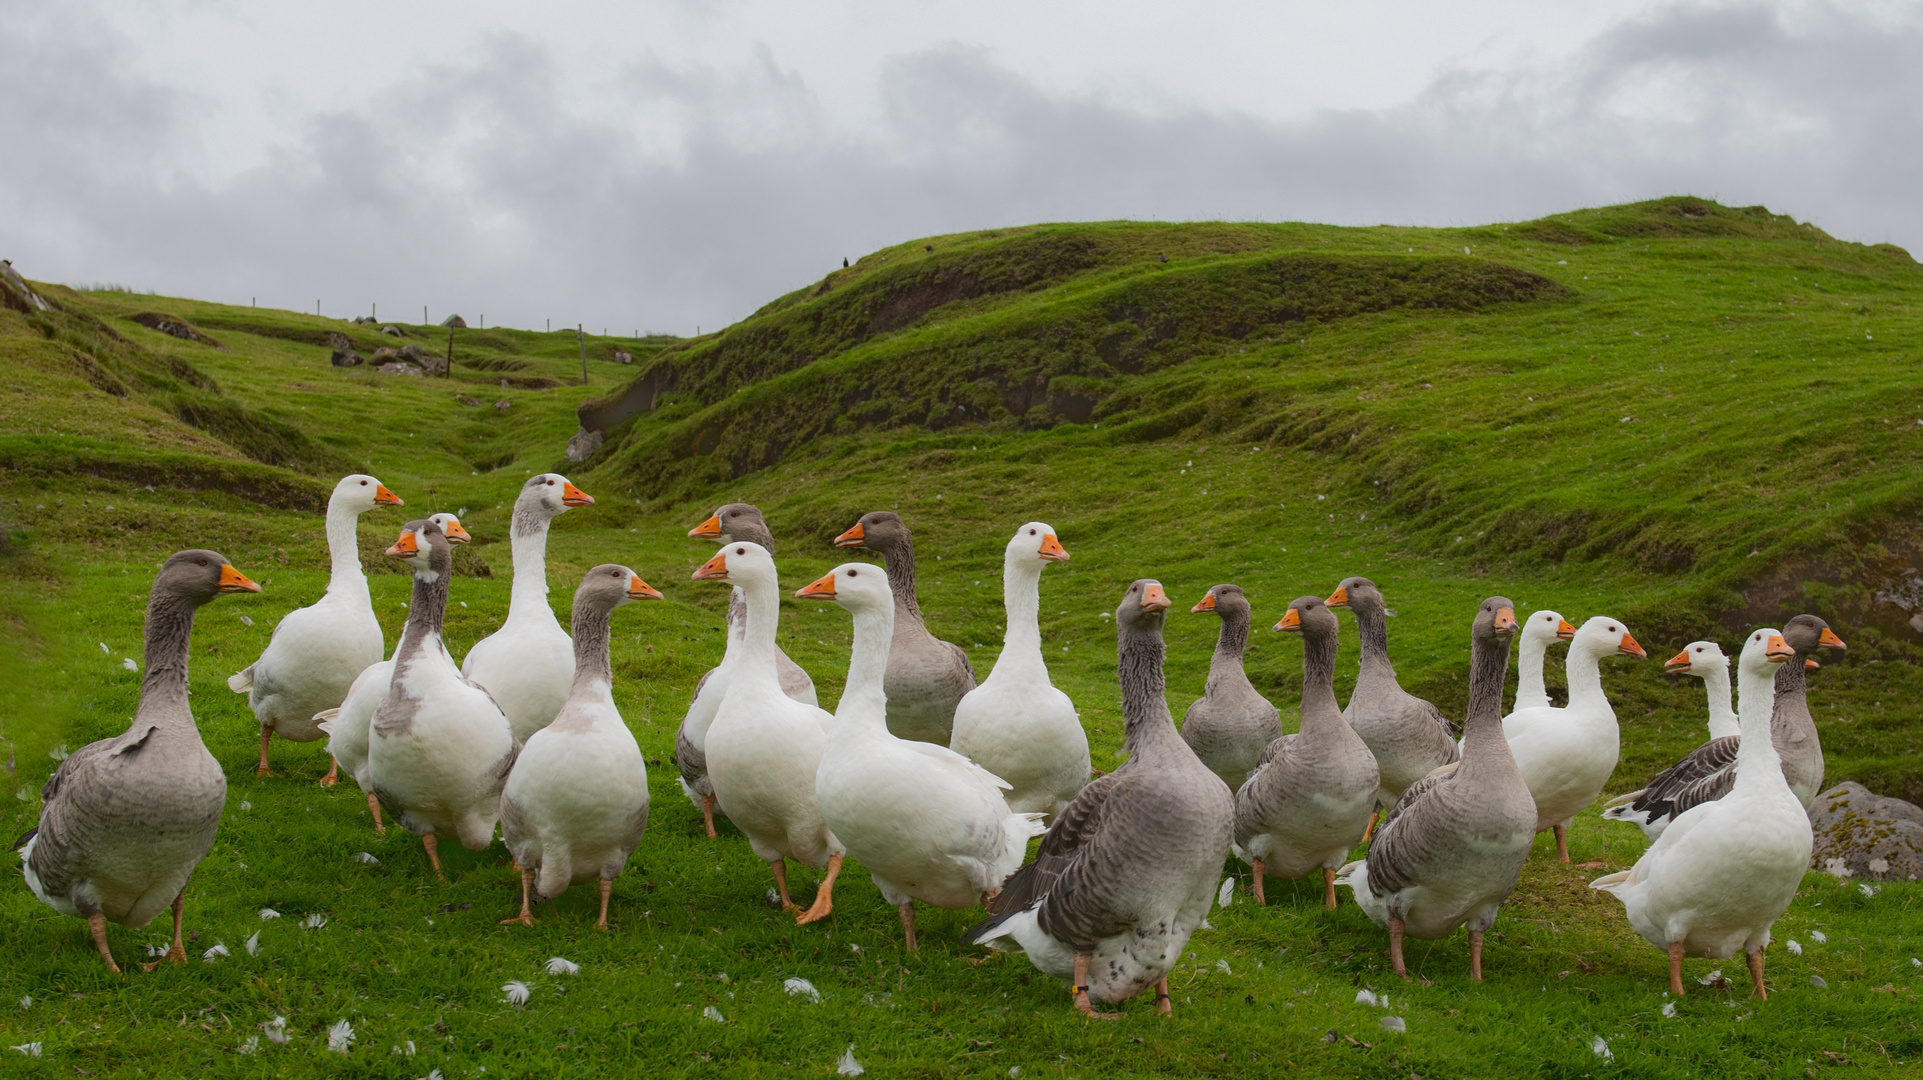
1496,619
544,498
1807,633
1358,594
1309,616
739,562
1033,545
610,585
736,521
1604,636
1546,627
424,547
880,530
361,493
1222,599
1698,658
859,587
198,575
1762,651
1142,606
451,528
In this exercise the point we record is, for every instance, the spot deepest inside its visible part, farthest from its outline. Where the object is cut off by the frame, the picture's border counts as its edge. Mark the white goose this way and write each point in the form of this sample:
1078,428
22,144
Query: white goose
1705,660
316,651
733,521
439,748
346,727
1539,631
1568,754
124,821
1719,877
764,747
1016,724
576,804
528,664
929,824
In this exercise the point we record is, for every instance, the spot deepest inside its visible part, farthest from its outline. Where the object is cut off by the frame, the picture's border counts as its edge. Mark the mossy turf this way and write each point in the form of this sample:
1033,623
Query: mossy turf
1363,437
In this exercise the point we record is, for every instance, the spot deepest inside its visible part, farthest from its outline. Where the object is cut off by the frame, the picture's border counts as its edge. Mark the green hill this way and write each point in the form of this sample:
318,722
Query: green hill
1691,417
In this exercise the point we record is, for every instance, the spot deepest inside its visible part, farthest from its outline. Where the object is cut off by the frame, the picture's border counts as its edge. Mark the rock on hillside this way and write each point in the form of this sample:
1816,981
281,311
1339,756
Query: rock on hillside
1862,835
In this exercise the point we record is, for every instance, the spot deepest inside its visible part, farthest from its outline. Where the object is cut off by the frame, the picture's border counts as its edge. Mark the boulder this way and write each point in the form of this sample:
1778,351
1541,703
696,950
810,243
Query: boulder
338,340
15,294
1862,835
392,331
397,367
583,445
385,352
502,406
347,358
173,326
428,362
623,356
455,321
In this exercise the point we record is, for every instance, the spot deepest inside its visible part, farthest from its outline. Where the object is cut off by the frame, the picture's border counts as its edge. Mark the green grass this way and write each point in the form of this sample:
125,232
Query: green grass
1231,414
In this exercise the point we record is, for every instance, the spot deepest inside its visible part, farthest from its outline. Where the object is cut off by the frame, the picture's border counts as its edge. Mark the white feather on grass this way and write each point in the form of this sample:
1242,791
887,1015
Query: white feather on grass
1226,894
1669,1008
128,663
559,966
847,1065
31,1049
366,857
314,921
267,913
1794,947
251,1046
219,950
798,987
253,944
276,1030
1600,1047
515,991
1818,936
1394,1023
714,1014
340,1037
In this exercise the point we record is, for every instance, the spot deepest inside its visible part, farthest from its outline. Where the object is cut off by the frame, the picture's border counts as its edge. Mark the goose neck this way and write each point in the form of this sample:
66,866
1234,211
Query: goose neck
426,608
761,629
592,630
1148,730
1584,670
1233,640
1530,686
1716,685
1758,765
1372,627
1484,749
899,557
864,701
343,549
163,688
529,542
1319,707
1022,603
1755,695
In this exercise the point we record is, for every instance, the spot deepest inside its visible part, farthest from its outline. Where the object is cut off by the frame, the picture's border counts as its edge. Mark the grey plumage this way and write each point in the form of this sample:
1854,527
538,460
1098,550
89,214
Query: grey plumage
926,676
1408,736
126,820
1129,868
1231,725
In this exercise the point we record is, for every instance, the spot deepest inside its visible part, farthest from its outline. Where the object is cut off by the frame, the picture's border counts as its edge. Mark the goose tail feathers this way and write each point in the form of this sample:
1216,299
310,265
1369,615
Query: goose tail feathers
1609,883
1624,800
240,682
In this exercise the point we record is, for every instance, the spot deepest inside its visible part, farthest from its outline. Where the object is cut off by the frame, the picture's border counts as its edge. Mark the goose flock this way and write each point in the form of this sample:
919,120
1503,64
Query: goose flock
936,782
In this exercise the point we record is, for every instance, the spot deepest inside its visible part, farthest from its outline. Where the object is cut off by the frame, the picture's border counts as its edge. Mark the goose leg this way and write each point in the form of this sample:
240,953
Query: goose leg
1395,946
97,923
825,895
263,770
1080,991
1370,831
178,952
907,909
1328,888
1162,1004
1259,868
1676,968
526,917
1756,974
333,772
607,890
374,808
433,853
1562,844
780,867
707,814
1475,955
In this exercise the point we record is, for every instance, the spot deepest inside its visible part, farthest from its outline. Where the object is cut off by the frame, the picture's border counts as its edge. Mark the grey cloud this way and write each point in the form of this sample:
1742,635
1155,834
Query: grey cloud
684,195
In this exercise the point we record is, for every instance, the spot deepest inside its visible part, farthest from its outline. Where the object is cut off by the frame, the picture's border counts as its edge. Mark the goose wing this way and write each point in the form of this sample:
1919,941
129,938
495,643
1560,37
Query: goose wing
1396,854
1060,863
1703,775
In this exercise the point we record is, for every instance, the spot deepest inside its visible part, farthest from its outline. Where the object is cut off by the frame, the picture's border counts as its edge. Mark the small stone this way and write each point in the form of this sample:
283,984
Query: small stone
502,405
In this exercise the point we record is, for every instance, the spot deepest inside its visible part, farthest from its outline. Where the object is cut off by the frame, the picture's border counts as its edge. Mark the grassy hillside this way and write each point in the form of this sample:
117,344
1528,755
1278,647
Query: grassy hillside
1691,417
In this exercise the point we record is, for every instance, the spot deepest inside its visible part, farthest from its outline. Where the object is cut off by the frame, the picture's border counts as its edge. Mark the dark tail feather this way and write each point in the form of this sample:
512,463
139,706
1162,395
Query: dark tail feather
26,836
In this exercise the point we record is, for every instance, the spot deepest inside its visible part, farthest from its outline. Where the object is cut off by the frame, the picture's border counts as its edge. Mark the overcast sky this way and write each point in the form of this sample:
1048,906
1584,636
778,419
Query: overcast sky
677,165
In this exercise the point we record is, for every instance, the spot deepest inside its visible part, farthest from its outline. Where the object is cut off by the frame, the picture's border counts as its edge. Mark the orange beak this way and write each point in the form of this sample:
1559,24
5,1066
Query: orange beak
232,580
1830,641
1338,599
1053,551
1153,598
715,569
707,530
852,538
1630,648
574,496
455,534
1291,622
1679,662
1207,603
1810,665
406,547
384,497
1564,630
641,590
822,588
1779,649
1506,623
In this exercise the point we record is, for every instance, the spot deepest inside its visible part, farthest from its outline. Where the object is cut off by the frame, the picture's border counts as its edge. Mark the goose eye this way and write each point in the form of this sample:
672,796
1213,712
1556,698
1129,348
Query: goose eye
852,573
363,483
1031,532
